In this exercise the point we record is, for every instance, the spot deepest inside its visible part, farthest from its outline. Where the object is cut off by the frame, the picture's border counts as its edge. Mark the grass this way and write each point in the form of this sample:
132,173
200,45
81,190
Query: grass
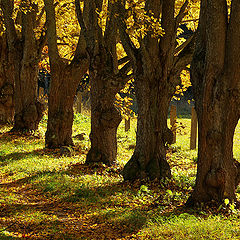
48,196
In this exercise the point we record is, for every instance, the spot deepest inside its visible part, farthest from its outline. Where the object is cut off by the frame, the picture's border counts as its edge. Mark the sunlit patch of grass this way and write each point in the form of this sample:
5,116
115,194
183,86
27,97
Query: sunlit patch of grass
128,218
187,226
126,141
94,199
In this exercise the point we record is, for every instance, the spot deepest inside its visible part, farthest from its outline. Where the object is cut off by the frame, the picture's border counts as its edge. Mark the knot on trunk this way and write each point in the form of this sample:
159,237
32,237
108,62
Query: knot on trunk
214,137
110,118
216,178
6,95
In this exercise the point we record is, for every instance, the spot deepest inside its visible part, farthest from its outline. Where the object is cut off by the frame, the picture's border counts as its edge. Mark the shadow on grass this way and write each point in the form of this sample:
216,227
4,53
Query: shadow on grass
72,216
5,159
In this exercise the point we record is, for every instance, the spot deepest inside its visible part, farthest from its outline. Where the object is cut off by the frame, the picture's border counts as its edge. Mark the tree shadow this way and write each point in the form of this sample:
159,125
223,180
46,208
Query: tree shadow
72,215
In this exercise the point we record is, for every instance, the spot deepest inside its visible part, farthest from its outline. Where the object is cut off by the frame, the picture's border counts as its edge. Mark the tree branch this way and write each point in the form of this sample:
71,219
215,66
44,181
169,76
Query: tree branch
184,58
126,68
123,60
80,18
185,44
51,30
181,14
7,7
128,45
42,40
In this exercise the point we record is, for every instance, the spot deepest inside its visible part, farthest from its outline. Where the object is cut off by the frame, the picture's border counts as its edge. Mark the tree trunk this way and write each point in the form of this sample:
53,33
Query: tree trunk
28,110
215,78
217,172
6,85
60,108
149,157
23,57
105,119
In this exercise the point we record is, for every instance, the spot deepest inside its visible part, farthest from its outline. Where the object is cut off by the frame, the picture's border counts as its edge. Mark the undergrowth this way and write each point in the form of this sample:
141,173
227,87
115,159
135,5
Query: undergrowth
47,195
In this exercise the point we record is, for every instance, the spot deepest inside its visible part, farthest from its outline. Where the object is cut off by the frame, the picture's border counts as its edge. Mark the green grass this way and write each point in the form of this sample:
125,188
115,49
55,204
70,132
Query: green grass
48,196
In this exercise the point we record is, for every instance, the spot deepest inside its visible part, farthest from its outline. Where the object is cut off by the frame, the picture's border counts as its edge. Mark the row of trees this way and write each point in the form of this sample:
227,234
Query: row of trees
154,55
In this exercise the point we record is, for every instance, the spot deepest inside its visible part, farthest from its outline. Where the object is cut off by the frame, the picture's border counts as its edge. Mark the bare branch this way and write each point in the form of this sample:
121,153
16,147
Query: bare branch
80,18
39,17
182,46
184,58
128,45
181,13
7,7
126,68
51,30
123,60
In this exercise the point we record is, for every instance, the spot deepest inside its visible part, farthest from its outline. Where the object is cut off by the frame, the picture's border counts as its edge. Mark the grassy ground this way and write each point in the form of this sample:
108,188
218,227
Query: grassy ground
46,195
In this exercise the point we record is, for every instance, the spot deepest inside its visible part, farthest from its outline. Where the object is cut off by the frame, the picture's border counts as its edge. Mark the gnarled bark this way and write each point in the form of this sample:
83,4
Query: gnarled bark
149,157
106,81
23,55
215,78
105,119
60,109
65,78
157,64
28,110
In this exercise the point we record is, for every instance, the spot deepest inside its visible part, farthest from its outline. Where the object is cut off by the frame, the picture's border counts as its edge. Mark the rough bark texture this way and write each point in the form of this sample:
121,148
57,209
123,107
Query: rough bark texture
60,109
156,66
215,78
105,119
28,110
6,85
106,81
64,81
149,157
23,57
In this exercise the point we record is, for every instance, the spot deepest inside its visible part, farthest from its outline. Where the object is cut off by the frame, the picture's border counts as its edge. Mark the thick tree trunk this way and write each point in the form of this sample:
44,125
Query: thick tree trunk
215,78
28,110
6,85
217,173
105,119
60,108
23,57
149,158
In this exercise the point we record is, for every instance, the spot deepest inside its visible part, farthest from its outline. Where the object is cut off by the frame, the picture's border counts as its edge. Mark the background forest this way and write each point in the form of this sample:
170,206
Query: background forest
71,175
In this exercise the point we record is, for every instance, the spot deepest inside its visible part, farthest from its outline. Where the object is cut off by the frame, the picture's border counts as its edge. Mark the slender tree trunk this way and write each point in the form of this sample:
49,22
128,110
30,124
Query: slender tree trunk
105,119
6,85
60,108
149,157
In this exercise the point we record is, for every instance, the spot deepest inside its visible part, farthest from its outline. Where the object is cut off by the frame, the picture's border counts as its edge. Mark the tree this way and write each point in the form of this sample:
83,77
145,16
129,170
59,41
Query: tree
65,77
215,76
24,51
157,62
6,84
106,79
